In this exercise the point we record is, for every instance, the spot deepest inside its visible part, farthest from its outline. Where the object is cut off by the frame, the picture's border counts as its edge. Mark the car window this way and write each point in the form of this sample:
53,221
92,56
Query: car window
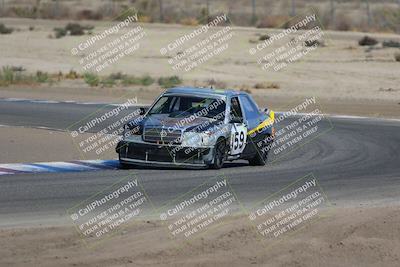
249,107
162,105
236,111
175,103
181,106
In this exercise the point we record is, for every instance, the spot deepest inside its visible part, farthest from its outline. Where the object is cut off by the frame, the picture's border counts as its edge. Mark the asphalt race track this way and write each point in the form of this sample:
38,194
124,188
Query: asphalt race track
357,162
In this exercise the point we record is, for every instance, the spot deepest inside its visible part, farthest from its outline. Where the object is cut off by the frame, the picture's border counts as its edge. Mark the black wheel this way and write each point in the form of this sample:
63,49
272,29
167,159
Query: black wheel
219,154
261,156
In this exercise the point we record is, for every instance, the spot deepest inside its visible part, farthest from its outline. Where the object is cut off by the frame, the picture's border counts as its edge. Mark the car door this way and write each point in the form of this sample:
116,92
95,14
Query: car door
238,129
251,114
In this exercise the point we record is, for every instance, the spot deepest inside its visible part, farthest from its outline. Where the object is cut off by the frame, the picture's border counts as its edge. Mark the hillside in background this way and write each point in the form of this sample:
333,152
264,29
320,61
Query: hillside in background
350,15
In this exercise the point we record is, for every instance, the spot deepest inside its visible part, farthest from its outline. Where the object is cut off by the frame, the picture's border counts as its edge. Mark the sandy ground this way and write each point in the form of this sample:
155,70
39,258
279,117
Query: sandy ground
343,237
340,70
80,93
20,144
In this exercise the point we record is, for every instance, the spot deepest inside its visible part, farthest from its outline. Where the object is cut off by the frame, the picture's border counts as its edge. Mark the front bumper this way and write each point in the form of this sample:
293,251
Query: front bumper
141,153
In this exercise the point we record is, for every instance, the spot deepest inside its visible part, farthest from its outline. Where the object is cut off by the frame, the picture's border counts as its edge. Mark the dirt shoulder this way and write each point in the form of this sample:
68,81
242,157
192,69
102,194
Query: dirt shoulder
20,144
344,237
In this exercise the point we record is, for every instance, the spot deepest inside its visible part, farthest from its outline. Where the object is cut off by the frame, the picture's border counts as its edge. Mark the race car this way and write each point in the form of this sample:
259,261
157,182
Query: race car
198,128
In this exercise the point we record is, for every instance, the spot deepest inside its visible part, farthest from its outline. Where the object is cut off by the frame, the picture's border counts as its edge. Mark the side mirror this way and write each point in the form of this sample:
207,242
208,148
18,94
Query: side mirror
142,111
236,120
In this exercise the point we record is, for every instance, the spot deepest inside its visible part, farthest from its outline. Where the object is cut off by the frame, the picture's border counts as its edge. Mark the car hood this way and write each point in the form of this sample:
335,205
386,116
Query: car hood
179,123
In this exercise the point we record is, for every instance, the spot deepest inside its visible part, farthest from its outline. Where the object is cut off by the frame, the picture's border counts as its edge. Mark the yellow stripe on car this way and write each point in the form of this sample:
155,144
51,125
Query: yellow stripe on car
264,124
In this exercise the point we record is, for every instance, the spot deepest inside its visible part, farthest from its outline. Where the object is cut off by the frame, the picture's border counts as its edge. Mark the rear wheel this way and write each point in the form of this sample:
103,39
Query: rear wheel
219,154
261,156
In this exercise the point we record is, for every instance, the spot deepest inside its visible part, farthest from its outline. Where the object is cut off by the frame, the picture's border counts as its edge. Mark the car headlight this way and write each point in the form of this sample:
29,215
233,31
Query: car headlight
132,130
196,139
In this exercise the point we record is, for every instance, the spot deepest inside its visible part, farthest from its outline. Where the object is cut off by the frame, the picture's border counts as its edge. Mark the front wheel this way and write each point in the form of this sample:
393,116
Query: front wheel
219,154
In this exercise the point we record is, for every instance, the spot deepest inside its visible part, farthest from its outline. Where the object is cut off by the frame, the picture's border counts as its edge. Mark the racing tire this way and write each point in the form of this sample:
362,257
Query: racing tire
261,157
219,154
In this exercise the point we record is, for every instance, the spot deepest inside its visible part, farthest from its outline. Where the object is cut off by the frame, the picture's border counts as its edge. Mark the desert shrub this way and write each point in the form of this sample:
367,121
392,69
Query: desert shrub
117,76
72,75
12,75
130,80
266,85
15,75
72,29
189,21
216,83
366,40
264,37
31,28
7,75
91,79
107,82
314,42
5,30
112,79
170,81
17,68
75,29
58,76
397,57
42,77
245,88
60,32
391,43
145,19
145,80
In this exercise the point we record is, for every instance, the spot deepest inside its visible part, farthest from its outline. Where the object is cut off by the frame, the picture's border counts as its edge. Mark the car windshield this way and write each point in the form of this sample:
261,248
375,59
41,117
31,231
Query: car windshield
183,106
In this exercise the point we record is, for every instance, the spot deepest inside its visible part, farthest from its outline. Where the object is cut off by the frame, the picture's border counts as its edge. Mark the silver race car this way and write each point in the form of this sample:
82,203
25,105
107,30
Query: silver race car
198,128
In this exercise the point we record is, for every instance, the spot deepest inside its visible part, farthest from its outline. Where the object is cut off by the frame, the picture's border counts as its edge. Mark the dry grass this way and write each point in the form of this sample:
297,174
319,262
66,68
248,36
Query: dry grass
366,40
215,83
189,21
245,88
266,85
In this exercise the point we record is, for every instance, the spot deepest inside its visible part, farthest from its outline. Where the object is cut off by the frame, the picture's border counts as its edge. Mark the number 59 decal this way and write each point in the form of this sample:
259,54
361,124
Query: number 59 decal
238,138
